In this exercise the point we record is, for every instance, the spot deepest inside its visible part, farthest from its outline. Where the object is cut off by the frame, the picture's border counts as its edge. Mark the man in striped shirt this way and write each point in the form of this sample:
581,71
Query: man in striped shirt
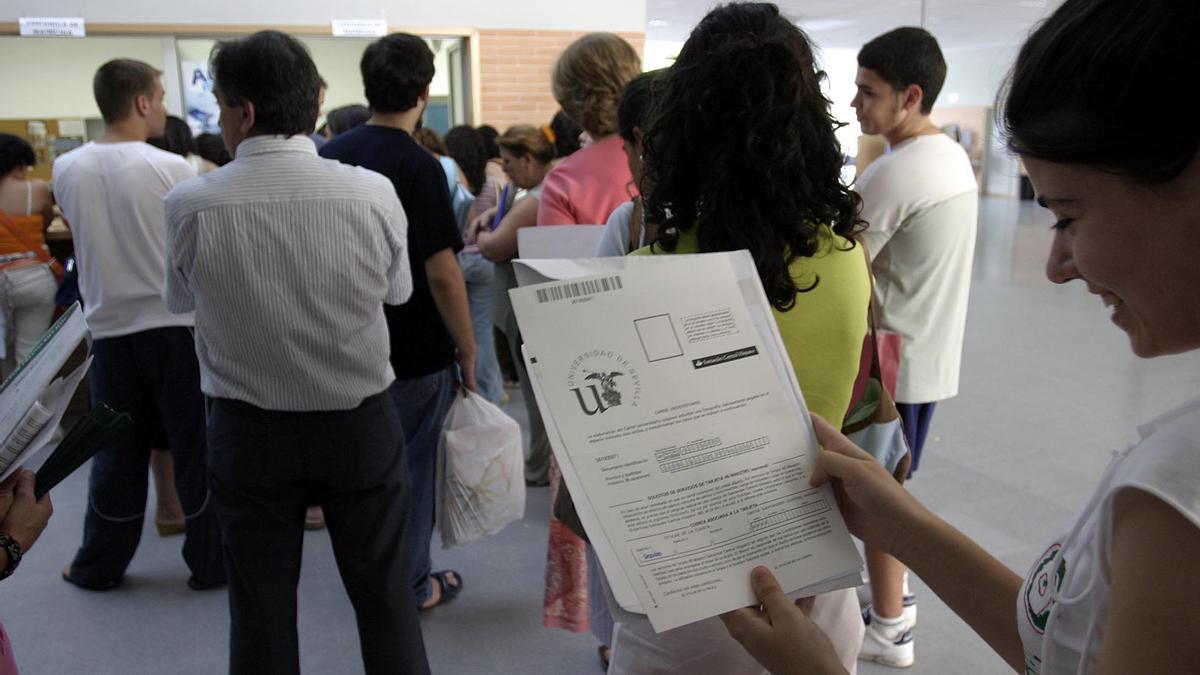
287,260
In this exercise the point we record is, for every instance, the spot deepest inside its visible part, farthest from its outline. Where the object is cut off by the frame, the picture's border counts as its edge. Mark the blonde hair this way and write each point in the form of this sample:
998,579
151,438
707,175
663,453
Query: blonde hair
523,138
589,78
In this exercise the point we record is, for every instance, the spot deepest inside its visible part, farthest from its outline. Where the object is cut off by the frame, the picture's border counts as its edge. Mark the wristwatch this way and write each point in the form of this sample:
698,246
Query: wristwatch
13,549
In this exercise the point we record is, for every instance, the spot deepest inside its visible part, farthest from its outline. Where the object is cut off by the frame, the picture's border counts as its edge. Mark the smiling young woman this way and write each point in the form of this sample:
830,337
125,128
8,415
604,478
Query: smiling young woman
1133,243
1116,592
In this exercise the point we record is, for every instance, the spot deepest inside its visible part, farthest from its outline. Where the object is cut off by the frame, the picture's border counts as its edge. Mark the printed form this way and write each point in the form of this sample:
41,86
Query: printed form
681,432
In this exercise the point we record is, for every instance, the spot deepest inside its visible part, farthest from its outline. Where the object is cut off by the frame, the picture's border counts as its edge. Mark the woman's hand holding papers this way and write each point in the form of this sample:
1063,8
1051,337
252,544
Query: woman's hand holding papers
780,635
22,518
876,508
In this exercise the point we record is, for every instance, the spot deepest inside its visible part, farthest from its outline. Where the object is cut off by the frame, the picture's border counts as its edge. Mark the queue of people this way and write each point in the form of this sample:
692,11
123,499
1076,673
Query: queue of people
321,373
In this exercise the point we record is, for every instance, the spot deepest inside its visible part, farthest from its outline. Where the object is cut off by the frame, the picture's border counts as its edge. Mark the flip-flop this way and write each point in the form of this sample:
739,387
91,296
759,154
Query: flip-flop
449,591
68,577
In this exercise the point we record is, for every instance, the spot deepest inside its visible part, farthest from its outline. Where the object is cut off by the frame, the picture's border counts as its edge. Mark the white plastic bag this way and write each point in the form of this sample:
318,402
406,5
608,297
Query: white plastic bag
483,471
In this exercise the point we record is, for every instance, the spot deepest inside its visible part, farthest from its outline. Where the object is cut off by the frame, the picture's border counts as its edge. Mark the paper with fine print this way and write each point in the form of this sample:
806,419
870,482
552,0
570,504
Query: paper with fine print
681,432
38,381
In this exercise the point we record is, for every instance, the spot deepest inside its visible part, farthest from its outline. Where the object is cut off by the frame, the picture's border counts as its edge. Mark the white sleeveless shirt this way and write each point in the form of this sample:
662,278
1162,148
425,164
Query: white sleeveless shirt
1062,609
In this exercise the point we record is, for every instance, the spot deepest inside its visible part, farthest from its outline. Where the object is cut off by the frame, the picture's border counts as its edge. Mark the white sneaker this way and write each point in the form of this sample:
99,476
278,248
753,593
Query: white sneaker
889,645
909,611
909,602
910,605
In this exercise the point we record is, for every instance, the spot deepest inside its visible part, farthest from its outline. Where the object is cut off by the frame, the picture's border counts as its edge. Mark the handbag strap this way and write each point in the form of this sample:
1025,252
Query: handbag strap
39,251
635,225
872,316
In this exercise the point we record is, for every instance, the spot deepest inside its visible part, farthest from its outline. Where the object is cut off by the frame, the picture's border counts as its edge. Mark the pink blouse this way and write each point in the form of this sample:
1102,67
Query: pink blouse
587,186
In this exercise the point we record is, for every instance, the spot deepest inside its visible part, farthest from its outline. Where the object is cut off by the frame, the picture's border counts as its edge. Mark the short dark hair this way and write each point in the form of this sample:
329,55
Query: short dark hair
273,71
634,105
488,134
212,148
343,119
15,153
118,82
466,147
566,134
907,56
396,69
1080,90
176,138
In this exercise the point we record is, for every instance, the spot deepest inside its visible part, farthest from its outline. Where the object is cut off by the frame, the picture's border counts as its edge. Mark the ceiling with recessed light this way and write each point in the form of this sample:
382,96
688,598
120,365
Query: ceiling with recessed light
847,24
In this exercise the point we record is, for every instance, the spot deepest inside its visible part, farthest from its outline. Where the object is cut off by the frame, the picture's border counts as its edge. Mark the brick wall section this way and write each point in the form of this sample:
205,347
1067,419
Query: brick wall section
515,71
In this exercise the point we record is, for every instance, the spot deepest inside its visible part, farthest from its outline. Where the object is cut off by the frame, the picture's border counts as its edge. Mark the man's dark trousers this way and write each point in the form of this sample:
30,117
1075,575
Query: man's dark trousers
154,376
266,467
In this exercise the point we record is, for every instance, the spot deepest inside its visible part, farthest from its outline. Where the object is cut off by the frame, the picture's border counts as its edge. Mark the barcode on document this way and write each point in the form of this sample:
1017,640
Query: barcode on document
579,289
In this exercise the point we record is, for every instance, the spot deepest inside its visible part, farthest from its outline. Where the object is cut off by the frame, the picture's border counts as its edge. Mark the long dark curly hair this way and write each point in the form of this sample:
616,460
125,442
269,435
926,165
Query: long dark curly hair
740,144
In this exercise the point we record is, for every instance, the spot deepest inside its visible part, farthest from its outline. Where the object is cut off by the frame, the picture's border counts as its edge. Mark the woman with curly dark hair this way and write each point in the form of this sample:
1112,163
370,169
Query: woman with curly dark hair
1115,589
740,150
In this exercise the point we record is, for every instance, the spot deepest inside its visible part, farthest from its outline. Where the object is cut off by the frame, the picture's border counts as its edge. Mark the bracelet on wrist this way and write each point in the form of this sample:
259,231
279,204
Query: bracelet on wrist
13,549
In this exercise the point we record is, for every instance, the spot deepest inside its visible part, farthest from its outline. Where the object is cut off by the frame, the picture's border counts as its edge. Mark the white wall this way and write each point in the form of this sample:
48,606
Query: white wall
613,15
973,76
840,66
52,77
55,78
337,60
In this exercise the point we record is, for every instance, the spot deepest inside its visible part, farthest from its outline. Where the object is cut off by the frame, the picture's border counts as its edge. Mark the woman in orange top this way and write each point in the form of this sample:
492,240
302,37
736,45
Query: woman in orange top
27,286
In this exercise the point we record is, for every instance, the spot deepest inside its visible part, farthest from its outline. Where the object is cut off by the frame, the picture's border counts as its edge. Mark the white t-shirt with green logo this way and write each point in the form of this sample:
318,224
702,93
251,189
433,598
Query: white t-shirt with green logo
1062,609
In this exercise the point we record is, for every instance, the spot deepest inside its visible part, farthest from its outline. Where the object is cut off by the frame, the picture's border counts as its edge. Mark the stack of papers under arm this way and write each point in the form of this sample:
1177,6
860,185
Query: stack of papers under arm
680,430
34,398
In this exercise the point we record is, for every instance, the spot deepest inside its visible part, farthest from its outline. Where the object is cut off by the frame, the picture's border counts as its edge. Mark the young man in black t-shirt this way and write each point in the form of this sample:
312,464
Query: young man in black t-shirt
431,333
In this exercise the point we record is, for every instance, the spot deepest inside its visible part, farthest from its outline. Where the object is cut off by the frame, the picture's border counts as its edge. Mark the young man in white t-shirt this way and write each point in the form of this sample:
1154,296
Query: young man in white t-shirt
920,203
111,192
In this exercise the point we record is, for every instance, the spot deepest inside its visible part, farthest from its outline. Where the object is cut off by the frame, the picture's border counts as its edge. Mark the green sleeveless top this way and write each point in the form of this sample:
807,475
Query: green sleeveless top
824,331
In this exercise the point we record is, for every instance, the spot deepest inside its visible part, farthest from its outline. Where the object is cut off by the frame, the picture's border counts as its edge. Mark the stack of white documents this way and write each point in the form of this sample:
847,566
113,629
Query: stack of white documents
36,395
679,427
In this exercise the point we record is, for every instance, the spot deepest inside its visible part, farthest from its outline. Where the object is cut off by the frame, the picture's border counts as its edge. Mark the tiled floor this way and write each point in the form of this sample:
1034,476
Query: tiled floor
1048,388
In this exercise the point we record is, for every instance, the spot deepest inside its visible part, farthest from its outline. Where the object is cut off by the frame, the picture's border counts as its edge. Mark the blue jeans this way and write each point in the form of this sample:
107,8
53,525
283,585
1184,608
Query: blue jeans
915,418
479,273
422,403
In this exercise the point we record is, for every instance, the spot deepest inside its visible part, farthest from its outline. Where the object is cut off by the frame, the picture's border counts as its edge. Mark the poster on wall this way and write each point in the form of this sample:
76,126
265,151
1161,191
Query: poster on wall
202,110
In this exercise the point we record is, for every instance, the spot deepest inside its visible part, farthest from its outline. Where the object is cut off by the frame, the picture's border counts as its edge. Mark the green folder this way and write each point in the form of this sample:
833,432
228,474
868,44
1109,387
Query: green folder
86,437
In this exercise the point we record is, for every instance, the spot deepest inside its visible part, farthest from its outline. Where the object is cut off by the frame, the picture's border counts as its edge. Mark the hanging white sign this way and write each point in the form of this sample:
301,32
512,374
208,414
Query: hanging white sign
52,26
359,27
